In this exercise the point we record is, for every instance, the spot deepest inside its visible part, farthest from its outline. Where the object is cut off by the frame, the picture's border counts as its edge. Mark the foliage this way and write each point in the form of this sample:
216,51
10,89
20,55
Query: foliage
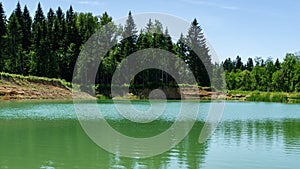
48,45
265,76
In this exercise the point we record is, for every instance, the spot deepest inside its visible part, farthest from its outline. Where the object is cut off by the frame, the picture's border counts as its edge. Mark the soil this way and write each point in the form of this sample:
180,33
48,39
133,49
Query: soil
16,89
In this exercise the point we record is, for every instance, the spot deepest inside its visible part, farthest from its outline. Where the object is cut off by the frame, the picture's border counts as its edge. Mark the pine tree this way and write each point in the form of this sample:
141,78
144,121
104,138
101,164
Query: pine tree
27,39
14,32
71,28
72,42
52,43
277,64
249,65
19,39
198,58
39,57
129,38
238,63
228,65
130,27
108,33
3,32
105,19
19,14
26,29
149,26
15,36
59,29
181,50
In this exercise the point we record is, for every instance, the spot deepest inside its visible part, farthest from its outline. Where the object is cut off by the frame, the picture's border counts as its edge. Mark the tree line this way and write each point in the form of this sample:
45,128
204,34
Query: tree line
49,45
264,75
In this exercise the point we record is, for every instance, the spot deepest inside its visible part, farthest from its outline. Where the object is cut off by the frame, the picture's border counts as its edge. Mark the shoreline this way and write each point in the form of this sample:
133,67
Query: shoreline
18,87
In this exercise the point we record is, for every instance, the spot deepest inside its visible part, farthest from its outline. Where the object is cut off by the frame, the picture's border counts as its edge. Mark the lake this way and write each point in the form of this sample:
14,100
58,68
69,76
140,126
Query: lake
47,135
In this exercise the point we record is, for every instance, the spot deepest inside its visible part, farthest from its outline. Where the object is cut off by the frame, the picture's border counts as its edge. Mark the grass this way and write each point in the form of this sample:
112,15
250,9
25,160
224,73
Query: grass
35,79
259,96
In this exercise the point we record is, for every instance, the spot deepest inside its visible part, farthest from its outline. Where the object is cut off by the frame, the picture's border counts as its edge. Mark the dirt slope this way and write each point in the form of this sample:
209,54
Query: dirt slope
22,87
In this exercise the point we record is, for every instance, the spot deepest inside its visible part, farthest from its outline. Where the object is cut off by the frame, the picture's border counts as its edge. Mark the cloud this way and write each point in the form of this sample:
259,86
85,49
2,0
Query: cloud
83,2
210,4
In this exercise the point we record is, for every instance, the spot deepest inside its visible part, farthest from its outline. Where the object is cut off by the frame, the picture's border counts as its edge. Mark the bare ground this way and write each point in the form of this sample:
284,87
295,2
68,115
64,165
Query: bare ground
15,89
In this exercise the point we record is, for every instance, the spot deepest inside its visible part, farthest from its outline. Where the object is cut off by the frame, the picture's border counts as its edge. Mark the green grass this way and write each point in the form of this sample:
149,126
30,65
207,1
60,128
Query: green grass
35,79
259,96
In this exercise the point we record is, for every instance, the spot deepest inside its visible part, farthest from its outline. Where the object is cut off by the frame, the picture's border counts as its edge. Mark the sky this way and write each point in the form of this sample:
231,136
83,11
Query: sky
248,28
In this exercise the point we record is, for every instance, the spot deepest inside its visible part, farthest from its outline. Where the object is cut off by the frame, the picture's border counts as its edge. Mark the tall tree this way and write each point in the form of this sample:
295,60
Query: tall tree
3,32
59,29
129,38
27,39
14,32
289,68
39,56
149,26
26,42
238,63
87,25
198,58
228,65
20,51
73,43
52,43
277,64
105,19
19,14
72,30
249,64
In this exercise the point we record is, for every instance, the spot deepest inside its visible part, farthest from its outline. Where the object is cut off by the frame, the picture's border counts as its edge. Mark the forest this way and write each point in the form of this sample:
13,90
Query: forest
49,45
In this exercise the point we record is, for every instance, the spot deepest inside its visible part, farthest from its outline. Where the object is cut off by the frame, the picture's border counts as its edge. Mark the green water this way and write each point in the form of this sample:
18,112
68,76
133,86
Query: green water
250,135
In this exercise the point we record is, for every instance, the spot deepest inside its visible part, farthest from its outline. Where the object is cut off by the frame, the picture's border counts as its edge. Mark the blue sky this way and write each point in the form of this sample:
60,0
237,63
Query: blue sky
266,28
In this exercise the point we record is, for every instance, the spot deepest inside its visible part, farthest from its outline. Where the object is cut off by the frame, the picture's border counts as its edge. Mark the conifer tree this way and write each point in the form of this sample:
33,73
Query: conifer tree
129,38
3,32
198,58
39,57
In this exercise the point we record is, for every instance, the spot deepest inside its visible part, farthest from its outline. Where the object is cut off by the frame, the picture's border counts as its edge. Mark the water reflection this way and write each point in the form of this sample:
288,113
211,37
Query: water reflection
242,140
63,144
268,132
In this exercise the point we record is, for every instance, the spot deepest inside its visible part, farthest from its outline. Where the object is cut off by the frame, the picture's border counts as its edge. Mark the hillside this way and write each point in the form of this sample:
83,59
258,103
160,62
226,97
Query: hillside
30,87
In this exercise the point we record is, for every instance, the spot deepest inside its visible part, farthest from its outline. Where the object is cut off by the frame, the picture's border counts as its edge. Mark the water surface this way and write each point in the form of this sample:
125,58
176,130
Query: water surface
44,134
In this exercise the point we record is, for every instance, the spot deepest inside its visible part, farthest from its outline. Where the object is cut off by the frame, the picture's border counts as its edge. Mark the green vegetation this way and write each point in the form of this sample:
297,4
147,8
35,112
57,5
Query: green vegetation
259,96
49,45
34,79
265,75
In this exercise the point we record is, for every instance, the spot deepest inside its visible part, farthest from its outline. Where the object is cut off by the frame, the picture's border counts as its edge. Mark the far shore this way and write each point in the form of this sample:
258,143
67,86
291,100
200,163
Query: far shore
18,87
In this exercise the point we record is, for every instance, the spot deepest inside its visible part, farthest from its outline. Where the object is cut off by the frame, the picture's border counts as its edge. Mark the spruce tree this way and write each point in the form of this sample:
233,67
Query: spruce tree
249,65
19,14
52,43
198,58
14,32
26,29
277,64
3,32
73,43
27,39
129,38
238,63
149,26
39,33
